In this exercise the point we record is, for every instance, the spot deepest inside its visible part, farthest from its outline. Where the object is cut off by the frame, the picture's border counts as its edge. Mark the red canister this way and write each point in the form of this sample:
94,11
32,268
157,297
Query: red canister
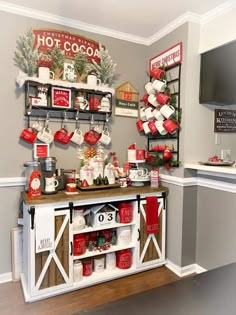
87,267
125,212
124,259
79,244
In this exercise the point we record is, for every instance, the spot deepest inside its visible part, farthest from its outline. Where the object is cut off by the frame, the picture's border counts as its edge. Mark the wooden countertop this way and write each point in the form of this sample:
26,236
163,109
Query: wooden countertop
109,193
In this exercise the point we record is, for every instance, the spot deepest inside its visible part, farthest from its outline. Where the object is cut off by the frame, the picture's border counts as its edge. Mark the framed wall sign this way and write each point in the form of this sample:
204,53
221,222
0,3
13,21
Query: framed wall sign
225,120
61,97
167,58
41,150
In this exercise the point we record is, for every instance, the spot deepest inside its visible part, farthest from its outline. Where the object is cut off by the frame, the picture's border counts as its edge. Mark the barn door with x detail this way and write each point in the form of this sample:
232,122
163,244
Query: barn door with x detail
151,247
53,268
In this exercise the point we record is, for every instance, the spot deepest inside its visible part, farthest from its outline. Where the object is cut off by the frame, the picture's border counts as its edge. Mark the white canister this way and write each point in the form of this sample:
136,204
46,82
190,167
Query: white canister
123,235
86,172
110,261
131,155
97,163
99,263
78,220
77,271
109,172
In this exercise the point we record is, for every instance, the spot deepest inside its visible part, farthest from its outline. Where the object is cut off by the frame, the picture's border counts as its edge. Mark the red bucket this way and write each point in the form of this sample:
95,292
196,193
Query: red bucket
124,259
79,244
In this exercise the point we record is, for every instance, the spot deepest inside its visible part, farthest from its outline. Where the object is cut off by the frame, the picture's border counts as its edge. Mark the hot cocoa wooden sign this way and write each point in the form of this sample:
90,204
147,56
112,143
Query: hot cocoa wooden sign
47,39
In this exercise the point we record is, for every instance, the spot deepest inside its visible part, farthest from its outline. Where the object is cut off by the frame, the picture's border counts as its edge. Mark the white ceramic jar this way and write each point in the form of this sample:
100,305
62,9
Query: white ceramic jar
79,220
123,235
99,263
110,261
77,271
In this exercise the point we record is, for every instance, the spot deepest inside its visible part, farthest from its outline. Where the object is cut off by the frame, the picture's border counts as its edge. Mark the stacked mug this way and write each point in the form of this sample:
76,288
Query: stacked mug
156,116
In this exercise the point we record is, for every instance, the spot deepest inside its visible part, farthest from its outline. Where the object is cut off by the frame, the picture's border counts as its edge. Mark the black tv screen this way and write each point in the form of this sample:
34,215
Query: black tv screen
218,76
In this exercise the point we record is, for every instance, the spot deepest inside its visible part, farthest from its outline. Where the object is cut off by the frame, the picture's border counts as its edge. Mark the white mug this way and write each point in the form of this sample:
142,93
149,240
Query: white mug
159,85
77,137
159,125
37,125
50,184
138,173
142,113
105,137
44,73
93,80
167,111
149,113
45,135
146,128
105,104
152,100
80,102
157,114
149,88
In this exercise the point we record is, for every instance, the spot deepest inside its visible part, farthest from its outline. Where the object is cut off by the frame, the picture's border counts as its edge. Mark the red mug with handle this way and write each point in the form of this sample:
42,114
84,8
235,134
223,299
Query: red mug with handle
28,135
62,136
163,99
157,73
91,137
170,126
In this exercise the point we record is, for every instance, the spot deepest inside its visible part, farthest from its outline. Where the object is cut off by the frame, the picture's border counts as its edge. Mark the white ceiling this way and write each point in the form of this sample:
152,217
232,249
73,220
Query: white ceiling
141,19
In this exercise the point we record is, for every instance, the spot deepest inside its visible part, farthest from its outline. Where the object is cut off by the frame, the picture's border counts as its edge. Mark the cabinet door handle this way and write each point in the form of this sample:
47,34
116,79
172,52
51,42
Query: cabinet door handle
138,235
32,214
71,206
71,248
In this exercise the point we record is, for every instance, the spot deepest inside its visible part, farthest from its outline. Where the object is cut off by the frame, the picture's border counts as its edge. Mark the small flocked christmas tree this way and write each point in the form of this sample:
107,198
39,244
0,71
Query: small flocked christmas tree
58,58
81,65
106,70
26,55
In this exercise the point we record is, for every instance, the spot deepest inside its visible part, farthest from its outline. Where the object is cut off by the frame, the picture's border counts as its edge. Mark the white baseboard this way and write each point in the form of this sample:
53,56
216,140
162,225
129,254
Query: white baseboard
6,277
184,271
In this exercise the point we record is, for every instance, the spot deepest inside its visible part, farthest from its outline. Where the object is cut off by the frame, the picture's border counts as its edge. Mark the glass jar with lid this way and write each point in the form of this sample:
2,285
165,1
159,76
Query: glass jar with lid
29,168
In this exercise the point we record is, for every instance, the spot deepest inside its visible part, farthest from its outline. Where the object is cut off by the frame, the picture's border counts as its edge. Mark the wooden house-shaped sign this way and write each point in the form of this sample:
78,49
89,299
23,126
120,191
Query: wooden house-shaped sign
127,100
103,214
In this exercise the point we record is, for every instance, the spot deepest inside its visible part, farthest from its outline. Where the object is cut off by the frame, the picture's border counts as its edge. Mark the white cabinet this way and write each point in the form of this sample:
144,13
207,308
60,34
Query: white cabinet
51,272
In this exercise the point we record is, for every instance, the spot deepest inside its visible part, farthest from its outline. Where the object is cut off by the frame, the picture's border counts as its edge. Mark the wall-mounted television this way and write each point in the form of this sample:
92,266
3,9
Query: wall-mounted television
218,76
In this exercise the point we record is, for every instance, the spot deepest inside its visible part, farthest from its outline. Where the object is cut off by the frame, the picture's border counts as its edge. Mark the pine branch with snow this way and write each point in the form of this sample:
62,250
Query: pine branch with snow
25,56
106,69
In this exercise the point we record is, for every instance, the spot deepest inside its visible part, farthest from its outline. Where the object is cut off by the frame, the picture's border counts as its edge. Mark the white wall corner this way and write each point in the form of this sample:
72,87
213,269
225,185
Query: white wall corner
5,277
184,271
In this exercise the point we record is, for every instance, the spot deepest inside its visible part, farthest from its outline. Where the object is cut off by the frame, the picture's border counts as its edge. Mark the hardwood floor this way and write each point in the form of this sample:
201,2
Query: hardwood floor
12,299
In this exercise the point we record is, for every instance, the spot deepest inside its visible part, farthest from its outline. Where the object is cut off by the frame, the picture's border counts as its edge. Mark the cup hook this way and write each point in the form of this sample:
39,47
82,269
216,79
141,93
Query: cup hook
65,120
77,120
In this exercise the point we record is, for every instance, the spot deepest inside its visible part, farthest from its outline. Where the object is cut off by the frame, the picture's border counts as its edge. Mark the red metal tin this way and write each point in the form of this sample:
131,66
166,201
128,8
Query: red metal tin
125,212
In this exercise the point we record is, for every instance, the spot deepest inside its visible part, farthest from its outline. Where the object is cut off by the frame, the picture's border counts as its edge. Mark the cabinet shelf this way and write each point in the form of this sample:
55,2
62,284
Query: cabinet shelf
112,249
102,227
103,276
